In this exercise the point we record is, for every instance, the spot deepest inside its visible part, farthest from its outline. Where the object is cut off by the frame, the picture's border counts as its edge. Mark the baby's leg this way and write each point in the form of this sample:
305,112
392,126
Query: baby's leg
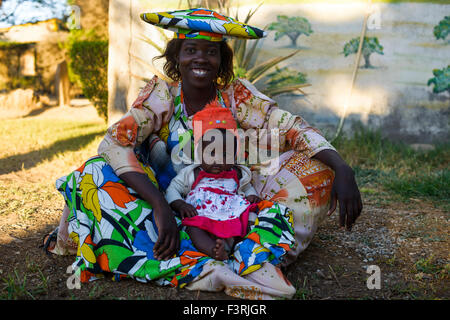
207,243
219,250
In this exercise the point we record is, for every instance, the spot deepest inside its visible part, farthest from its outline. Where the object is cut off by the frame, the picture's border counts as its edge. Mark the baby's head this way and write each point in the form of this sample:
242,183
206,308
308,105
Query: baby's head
216,143
217,150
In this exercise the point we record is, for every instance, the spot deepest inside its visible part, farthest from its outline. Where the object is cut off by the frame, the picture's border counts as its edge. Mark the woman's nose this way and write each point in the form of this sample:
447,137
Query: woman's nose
201,55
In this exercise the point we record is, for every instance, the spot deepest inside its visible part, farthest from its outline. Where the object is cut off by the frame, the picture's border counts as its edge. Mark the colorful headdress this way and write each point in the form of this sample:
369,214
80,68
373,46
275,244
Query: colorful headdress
202,24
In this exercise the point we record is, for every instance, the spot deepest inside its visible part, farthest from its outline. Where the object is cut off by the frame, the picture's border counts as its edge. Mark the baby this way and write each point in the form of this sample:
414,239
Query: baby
214,198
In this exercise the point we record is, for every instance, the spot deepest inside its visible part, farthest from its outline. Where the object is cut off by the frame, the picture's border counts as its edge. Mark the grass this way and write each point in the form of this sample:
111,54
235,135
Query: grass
47,144
396,168
18,287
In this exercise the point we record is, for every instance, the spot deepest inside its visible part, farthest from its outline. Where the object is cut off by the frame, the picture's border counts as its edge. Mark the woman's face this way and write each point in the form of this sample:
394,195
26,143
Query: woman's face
199,62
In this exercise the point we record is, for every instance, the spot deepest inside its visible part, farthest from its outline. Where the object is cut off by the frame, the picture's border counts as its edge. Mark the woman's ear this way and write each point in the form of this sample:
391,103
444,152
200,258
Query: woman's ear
177,65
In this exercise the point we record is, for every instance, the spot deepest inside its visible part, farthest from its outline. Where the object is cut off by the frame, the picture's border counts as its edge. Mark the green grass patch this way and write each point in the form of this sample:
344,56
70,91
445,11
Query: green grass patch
434,185
30,142
396,168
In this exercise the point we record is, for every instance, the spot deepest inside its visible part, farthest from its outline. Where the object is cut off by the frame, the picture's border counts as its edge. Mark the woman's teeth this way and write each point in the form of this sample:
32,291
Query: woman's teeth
199,72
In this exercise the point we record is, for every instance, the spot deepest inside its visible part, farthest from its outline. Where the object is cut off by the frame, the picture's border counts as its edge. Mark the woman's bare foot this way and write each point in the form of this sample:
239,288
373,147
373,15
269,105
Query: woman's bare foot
219,250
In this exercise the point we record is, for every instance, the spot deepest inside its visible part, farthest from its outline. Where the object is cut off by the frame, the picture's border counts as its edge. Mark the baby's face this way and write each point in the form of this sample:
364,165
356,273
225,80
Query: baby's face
218,152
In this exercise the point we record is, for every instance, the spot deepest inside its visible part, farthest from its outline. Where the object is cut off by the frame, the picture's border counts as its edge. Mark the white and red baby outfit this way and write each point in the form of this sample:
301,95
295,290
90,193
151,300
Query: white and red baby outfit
218,198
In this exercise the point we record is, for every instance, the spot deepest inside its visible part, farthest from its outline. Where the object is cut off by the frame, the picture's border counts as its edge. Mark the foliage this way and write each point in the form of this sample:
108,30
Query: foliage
292,27
442,30
245,66
441,80
10,77
370,45
88,66
283,78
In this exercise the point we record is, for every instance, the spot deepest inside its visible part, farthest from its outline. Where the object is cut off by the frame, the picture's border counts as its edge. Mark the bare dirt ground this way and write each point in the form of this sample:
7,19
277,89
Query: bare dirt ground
407,241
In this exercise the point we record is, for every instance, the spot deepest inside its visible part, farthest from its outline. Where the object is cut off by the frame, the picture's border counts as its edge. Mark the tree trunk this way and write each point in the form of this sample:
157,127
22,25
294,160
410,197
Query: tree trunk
367,64
118,58
293,37
62,85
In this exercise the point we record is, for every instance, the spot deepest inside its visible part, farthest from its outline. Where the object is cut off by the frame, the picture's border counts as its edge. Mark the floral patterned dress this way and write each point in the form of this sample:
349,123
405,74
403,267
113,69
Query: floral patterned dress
114,228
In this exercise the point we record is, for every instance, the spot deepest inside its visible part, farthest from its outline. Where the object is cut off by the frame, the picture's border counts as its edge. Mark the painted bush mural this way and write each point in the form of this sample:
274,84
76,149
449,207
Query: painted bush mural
442,30
441,80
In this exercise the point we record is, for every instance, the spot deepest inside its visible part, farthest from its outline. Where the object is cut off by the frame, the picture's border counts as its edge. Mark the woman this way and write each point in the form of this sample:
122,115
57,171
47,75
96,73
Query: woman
118,217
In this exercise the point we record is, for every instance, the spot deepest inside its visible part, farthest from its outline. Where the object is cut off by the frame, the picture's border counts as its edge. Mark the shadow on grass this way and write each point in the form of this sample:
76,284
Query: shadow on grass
28,160
36,112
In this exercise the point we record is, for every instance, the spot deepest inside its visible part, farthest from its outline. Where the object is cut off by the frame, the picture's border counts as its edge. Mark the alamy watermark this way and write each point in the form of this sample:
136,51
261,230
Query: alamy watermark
73,282
374,280
374,19
74,20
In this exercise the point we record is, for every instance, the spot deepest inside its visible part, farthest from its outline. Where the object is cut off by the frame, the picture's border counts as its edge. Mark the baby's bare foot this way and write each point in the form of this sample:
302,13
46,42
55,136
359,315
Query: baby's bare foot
219,250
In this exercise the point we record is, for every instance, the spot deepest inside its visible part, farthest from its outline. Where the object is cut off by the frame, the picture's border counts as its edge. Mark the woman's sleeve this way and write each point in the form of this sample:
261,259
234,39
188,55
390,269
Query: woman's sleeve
255,110
152,109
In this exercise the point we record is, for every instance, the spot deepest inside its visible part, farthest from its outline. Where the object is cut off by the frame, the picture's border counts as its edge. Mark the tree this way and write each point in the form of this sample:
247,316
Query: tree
15,12
442,30
292,27
370,45
441,80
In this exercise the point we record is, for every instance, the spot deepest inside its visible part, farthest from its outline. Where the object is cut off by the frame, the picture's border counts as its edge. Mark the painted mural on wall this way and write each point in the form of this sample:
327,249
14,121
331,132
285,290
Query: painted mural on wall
402,82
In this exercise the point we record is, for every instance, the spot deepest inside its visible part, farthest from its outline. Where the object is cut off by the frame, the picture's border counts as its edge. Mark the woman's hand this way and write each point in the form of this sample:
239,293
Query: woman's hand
168,234
344,190
184,209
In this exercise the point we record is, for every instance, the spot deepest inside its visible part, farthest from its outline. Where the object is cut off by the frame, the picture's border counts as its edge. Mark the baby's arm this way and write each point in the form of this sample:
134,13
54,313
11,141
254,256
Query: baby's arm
183,208
176,191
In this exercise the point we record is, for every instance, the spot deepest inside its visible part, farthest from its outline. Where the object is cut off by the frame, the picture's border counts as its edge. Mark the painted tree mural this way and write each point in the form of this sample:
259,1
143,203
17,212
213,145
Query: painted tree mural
370,45
292,27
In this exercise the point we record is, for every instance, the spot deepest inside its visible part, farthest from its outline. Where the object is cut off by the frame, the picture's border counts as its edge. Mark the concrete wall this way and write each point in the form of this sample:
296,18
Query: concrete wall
393,95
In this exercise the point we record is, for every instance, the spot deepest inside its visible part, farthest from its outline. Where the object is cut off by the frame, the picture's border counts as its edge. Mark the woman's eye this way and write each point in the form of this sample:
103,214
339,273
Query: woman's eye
190,50
212,52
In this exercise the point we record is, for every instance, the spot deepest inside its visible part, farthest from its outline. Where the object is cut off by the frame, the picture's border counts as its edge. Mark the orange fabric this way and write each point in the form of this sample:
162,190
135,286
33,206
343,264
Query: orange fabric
282,194
124,131
119,193
318,187
213,117
264,204
103,262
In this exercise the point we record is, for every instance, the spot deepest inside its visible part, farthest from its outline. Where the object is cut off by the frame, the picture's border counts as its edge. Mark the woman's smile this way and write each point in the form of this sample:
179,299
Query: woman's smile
200,72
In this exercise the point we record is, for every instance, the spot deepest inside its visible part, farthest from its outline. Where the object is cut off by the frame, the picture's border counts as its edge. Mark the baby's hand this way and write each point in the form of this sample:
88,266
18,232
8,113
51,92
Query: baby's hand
253,198
184,209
